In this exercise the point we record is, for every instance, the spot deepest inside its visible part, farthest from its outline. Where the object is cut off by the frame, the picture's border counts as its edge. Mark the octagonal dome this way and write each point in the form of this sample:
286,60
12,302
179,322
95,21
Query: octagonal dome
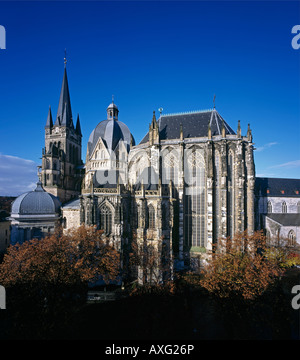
111,131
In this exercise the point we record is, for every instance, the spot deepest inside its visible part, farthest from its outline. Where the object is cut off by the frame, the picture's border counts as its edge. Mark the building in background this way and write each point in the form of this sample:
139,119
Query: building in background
278,208
4,231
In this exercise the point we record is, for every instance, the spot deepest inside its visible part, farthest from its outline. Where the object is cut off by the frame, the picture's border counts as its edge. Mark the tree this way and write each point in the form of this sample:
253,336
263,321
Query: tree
150,264
239,268
56,270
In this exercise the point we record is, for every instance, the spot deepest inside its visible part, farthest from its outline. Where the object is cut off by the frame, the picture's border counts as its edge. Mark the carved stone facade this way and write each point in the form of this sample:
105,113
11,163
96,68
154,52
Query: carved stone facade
189,182
204,182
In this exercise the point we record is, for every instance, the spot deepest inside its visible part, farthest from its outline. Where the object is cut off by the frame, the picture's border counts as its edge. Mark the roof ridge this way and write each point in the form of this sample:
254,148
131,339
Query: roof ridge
188,112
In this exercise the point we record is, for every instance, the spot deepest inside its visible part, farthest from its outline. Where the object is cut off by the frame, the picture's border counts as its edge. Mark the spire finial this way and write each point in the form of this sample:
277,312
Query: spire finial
65,58
113,98
214,101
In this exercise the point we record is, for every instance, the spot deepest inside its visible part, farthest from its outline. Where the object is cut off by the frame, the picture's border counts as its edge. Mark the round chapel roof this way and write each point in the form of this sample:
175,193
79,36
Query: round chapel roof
36,202
111,132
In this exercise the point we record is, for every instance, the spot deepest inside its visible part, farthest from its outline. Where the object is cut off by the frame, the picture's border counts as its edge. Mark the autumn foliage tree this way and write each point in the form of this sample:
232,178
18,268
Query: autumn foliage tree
239,267
58,267
151,265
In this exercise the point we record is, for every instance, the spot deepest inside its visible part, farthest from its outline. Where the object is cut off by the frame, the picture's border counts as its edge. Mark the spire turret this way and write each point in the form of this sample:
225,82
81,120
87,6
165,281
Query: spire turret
239,130
49,123
78,127
153,130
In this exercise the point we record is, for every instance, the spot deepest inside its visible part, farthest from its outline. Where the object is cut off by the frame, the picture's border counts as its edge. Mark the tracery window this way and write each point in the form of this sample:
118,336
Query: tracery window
217,212
230,202
151,217
292,237
106,219
170,167
195,199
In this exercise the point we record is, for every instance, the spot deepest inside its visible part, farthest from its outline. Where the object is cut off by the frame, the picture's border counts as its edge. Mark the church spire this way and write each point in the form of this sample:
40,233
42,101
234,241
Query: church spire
78,127
64,105
49,122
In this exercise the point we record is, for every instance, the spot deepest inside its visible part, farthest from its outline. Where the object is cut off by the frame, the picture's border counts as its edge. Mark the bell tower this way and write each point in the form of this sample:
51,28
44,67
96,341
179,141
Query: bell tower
61,158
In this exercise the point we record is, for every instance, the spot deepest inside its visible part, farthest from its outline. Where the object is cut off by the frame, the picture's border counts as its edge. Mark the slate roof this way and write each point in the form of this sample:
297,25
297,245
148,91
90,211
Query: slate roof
37,202
194,124
286,219
64,111
73,204
277,187
111,131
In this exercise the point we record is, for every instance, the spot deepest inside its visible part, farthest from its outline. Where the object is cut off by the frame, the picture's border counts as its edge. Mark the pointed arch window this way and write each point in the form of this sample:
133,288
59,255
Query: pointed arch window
106,219
217,220
195,198
151,217
170,167
284,207
292,238
230,199
269,207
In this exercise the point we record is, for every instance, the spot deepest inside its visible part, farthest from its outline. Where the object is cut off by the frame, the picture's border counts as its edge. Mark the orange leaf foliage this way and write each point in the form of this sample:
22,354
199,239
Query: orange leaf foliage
60,259
239,267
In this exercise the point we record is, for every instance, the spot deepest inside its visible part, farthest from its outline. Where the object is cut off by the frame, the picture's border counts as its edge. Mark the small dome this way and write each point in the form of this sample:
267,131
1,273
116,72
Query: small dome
36,202
112,106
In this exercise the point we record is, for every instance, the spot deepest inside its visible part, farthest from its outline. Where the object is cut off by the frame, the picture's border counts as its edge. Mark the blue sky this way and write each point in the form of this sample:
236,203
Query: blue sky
174,55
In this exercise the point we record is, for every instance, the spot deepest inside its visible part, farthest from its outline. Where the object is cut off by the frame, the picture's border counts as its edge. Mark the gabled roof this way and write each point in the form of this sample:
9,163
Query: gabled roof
72,204
285,219
277,187
194,124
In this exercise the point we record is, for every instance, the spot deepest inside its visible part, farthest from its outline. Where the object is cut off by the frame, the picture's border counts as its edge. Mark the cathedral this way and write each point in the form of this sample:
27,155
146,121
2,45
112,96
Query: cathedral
190,181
